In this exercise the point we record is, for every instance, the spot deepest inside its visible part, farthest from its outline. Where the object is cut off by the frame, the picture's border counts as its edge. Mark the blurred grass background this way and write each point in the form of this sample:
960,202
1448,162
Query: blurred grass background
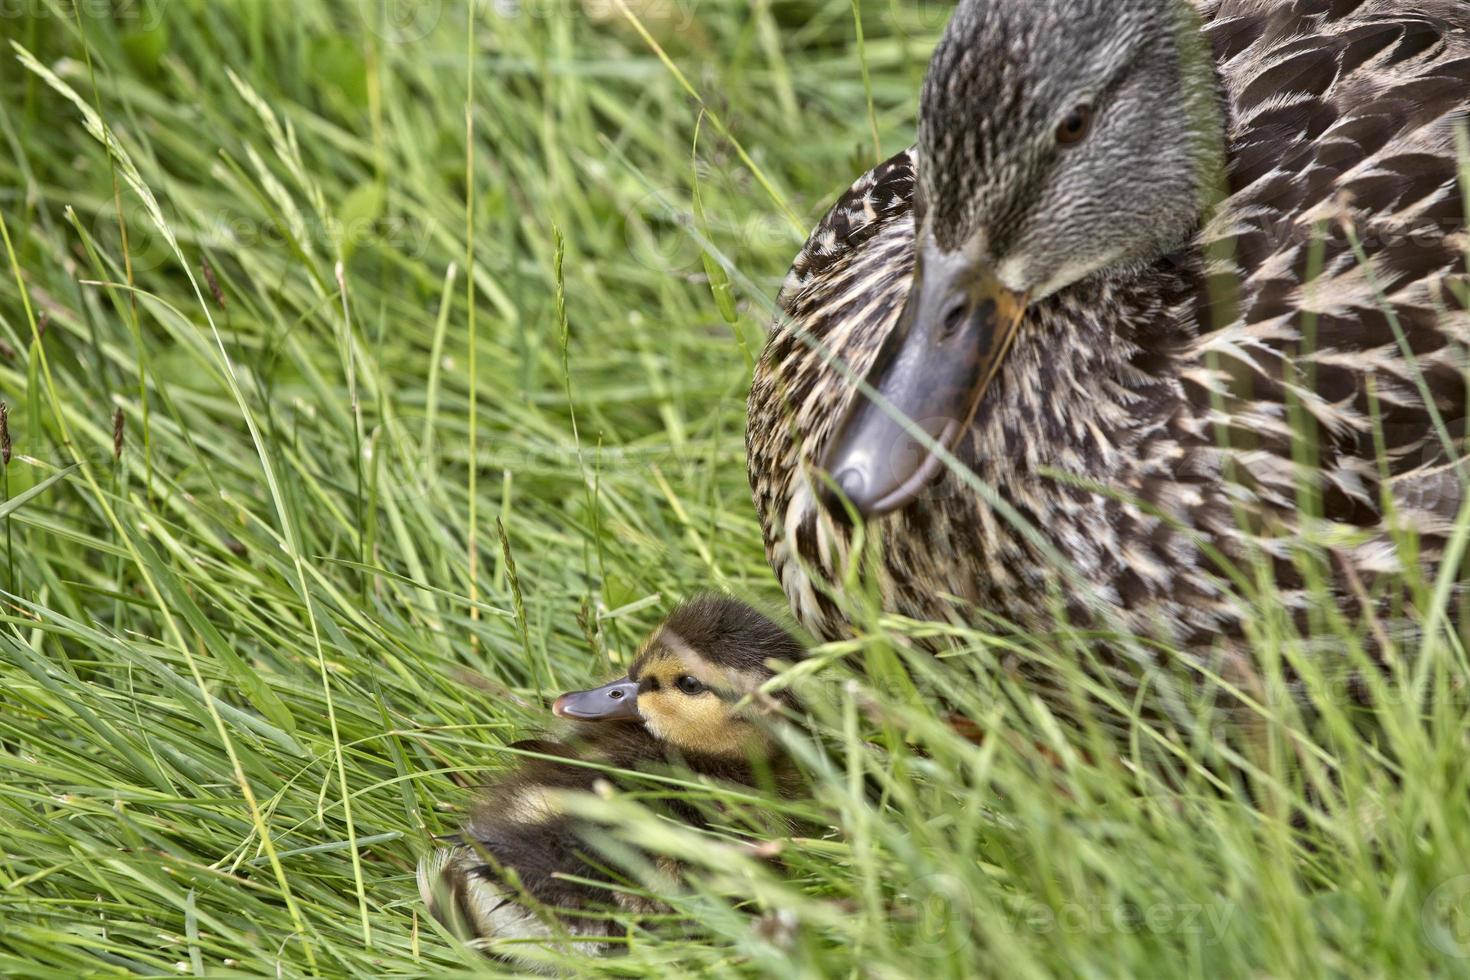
329,465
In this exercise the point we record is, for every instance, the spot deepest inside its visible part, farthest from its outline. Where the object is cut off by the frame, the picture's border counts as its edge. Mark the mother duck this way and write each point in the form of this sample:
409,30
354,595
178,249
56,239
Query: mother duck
1182,282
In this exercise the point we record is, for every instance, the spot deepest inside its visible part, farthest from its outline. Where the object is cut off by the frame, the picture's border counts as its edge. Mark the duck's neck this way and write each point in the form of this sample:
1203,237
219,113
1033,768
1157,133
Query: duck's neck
1205,102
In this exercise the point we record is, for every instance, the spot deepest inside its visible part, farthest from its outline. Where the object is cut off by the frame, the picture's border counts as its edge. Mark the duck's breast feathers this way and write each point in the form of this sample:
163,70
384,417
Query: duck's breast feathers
842,296
874,199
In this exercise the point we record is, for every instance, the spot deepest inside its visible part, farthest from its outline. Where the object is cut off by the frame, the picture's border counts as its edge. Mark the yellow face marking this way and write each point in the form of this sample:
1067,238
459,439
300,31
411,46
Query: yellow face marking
707,722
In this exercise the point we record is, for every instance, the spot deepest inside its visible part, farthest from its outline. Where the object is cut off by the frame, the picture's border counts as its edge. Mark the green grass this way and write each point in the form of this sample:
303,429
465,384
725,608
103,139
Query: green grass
249,664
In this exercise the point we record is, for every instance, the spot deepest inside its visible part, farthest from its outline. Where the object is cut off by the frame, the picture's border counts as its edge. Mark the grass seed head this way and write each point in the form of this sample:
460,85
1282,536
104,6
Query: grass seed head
214,290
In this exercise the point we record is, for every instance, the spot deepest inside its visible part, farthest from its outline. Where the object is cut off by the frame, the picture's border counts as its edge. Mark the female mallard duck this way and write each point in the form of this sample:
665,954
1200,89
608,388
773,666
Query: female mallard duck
1140,249
687,703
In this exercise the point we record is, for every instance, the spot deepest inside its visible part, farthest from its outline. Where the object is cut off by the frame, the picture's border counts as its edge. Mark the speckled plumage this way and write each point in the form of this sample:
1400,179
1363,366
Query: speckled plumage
1164,391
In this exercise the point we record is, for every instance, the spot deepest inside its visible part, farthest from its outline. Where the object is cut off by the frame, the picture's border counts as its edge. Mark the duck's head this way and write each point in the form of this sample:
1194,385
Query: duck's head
690,682
1057,139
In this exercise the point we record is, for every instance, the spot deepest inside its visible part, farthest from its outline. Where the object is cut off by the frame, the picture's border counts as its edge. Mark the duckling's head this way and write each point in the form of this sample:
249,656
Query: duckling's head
690,682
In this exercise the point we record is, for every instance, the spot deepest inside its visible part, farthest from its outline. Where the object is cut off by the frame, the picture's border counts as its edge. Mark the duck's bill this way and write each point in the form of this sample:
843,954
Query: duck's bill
932,372
617,701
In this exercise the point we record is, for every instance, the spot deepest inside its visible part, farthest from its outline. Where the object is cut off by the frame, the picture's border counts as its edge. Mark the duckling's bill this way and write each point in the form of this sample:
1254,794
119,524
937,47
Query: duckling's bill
617,701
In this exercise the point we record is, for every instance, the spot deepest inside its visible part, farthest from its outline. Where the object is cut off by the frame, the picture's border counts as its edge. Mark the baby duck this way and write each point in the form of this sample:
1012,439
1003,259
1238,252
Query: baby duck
521,870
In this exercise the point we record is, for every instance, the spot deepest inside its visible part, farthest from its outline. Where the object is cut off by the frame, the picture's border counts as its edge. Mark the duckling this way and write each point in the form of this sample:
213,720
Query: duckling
521,870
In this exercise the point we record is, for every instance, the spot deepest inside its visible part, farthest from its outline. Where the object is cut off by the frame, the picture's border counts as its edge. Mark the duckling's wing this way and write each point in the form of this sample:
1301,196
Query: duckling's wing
463,902
462,893
543,746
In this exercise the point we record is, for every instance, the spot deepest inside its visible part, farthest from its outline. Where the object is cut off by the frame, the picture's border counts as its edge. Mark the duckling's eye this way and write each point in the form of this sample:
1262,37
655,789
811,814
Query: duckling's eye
1075,125
689,685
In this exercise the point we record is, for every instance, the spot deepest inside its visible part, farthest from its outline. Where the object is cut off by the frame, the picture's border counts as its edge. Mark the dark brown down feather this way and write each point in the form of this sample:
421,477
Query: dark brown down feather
524,869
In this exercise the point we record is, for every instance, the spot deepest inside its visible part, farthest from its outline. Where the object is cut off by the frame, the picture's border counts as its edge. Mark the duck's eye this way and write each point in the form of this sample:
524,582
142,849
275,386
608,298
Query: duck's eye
1075,125
689,685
